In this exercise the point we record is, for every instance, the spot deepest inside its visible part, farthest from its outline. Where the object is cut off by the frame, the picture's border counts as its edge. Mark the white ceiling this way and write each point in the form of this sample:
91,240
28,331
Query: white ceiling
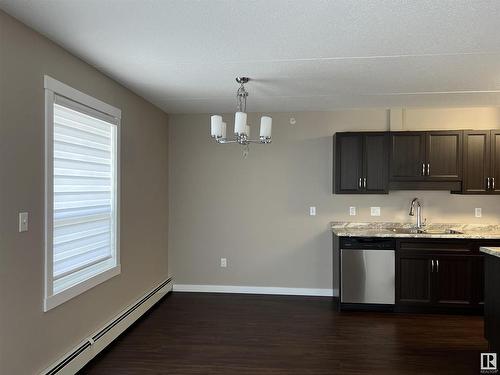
183,55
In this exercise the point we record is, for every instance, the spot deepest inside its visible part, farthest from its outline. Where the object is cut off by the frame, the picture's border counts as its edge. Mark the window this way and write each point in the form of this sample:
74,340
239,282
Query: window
81,192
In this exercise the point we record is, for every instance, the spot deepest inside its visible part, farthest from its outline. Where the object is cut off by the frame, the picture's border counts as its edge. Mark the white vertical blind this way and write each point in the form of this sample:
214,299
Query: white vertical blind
84,194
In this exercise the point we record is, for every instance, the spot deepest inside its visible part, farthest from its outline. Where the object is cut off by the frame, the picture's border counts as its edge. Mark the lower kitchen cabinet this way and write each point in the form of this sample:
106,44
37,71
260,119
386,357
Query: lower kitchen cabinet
479,277
436,276
413,286
453,280
492,303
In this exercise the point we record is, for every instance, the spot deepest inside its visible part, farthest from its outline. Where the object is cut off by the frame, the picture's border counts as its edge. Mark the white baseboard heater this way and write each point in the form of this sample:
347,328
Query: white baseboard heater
74,360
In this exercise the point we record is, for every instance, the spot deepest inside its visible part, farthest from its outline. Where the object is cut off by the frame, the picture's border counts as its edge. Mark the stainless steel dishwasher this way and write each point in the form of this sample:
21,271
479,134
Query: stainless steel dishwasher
367,271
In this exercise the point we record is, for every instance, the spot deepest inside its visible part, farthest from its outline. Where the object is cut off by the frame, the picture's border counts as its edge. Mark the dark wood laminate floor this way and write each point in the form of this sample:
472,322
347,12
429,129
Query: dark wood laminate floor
194,333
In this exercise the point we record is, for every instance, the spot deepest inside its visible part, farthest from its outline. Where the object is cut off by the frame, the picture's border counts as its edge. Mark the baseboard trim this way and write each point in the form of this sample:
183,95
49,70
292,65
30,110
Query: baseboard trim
255,290
80,355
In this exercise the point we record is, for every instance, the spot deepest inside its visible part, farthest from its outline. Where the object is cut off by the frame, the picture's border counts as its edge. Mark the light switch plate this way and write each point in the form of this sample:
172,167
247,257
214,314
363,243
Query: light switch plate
375,211
23,221
312,211
478,212
223,262
352,211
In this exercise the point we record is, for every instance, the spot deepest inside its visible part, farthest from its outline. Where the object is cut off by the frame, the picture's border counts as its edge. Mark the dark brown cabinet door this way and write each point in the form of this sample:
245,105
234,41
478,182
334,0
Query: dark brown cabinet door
495,162
492,302
443,155
478,285
407,156
376,163
453,280
413,275
476,159
348,162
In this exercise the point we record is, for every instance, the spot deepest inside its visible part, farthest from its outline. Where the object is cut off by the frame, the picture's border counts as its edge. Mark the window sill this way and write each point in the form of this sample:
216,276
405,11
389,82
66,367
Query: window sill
59,298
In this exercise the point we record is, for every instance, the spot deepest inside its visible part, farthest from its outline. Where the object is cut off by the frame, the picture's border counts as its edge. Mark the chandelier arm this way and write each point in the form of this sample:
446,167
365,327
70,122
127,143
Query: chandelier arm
258,140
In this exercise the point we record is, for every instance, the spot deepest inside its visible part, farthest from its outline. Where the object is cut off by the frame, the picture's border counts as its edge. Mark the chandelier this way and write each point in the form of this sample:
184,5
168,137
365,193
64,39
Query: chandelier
241,127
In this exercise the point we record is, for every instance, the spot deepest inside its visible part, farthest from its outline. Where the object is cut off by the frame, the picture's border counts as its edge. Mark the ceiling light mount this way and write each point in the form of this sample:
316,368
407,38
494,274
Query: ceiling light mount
242,80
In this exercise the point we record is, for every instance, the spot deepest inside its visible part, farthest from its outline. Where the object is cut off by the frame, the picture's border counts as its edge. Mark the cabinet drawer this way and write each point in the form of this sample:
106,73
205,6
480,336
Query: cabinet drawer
437,245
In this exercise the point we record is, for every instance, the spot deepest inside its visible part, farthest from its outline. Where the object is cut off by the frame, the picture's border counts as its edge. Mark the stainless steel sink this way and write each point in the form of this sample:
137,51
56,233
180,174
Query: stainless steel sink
424,231
406,230
440,231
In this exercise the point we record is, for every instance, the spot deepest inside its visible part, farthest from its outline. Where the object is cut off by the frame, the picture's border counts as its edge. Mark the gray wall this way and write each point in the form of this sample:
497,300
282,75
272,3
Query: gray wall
255,211
29,338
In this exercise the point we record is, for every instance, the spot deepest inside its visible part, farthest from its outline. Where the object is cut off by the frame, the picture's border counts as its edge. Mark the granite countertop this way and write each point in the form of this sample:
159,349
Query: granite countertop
495,251
388,229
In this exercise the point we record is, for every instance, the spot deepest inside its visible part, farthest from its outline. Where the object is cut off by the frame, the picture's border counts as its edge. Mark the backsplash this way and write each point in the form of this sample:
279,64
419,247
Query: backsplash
437,207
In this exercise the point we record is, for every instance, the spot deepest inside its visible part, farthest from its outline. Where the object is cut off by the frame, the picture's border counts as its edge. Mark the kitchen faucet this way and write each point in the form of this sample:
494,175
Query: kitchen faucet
416,202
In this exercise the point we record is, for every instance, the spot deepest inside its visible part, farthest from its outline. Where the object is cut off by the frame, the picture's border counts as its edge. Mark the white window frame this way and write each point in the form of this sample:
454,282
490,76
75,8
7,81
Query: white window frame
52,88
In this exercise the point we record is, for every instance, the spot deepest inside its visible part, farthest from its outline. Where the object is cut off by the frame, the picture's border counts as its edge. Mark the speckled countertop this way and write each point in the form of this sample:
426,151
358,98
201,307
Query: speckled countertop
495,251
388,229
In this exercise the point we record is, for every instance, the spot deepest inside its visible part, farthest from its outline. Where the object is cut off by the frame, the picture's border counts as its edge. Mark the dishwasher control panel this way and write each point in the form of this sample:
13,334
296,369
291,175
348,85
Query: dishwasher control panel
367,243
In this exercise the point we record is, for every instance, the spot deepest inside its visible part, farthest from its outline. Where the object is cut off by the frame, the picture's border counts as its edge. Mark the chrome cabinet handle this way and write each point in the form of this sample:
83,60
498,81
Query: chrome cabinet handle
493,183
423,169
359,183
428,169
437,265
432,265
488,186
364,182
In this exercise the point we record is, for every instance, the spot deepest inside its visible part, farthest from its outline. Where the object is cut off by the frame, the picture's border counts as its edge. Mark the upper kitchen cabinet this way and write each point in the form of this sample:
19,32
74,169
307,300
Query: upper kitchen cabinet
459,161
407,156
361,163
348,163
444,155
426,160
477,145
495,162
375,162
481,162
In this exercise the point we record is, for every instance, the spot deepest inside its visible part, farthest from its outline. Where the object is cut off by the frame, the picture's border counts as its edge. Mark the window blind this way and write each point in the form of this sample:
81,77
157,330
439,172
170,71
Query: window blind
84,193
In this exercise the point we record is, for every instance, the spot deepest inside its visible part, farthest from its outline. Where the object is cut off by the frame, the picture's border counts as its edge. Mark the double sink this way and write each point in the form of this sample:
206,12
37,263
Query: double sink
424,231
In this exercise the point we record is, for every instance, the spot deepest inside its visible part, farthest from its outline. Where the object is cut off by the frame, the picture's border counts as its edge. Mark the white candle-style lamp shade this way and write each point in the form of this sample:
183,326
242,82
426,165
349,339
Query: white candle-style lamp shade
266,124
216,126
240,122
247,131
224,130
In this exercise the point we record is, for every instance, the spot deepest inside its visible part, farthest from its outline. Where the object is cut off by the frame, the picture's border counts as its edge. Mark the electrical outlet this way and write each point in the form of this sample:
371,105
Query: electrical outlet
478,212
312,211
23,221
293,121
375,211
352,211
223,262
